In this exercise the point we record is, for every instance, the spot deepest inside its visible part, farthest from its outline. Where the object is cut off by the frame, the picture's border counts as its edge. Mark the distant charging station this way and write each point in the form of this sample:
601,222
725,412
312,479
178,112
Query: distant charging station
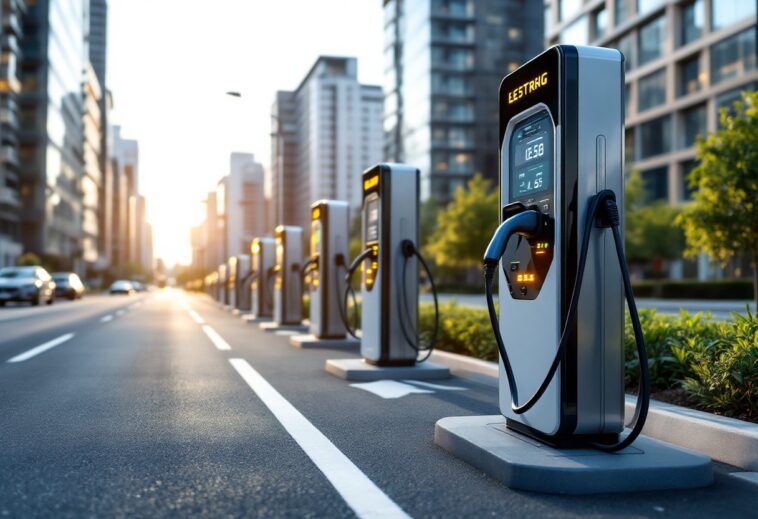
263,273
558,255
288,293
390,343
239,276
324,272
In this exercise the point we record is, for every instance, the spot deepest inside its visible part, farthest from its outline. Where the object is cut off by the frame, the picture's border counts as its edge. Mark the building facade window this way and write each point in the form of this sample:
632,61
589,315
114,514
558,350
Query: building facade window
651,90
691,80
652,40
599,23
733,57
626,47
694,122
623,10
727,12
568,8
656,181
655,137
577,33
693,22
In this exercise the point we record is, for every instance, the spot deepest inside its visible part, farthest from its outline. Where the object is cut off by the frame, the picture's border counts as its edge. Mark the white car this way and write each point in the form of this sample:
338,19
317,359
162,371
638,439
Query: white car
32,284
122,287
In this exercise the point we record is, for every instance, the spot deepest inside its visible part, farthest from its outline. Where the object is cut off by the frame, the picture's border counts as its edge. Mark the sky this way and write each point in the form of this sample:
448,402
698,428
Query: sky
170,63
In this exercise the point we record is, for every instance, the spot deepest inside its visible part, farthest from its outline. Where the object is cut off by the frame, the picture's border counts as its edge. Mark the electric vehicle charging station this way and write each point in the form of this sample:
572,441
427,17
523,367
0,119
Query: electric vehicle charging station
558,254
390,344
223,293
239,277
288,290
262,275
325,268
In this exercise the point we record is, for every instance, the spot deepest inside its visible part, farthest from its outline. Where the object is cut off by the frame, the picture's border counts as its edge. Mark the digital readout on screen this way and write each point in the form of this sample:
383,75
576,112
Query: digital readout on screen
372,220
531,156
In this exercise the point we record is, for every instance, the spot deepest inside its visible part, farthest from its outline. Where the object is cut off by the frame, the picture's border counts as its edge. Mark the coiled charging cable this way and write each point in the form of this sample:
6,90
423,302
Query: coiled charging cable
349,292
409,250
530,223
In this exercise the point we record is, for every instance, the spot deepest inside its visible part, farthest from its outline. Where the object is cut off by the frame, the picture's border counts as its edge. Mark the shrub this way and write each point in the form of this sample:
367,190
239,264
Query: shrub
723,374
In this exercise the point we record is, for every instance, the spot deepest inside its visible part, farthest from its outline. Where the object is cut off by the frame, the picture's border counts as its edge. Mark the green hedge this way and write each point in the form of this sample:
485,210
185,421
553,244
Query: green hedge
717,289
714,363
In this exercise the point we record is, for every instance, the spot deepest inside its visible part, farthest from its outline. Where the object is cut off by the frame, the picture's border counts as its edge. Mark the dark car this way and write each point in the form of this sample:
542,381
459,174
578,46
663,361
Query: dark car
68,285
122,287
31,284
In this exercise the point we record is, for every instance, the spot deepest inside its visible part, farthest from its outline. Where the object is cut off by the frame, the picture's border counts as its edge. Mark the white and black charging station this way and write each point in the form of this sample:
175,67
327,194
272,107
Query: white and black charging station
324,274
288,290
390,344
261,280
239,276
562,278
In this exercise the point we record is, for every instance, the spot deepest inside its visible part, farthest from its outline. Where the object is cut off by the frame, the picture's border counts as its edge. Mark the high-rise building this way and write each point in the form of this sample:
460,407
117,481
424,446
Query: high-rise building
326,132
685,60
444,60
98,37
125,171
11,16
51,137
92,179
245,218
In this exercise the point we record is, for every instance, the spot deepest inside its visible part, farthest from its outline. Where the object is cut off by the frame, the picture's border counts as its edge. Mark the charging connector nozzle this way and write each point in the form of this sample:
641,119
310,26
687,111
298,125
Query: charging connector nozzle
527,223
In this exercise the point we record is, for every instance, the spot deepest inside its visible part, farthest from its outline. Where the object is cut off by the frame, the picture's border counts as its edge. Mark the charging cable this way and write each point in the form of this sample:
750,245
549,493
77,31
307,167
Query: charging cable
349,292
530,223
409,250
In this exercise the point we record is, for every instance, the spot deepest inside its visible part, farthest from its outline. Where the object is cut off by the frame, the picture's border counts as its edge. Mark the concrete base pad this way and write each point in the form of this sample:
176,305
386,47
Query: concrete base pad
526,464
275,327
251,319
311,341
358,369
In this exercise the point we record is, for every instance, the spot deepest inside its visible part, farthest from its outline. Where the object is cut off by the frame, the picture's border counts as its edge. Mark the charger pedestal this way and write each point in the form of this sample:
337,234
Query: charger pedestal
522,463
360,370
310,341
272,326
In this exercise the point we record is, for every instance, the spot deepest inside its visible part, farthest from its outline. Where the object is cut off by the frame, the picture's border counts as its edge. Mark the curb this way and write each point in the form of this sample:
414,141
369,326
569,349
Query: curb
726,440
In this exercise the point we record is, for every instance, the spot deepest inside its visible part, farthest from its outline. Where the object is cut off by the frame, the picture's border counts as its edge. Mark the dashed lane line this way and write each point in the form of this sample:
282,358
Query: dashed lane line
215,338
41,348
106,318
360,493
196,317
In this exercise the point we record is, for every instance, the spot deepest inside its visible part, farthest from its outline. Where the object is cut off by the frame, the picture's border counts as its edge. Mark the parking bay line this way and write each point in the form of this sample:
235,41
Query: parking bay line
215,338
41,348
106,318
359,492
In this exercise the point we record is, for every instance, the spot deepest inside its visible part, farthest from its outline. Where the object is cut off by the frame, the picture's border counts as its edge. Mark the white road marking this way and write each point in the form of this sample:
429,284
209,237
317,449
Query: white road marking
215,338
196,317
359,492
41,348
390,388
134,305
120,313
435,386
106,318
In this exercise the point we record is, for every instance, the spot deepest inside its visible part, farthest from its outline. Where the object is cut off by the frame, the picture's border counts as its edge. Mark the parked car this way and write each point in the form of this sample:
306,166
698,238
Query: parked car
68,285
31,284
122,287
138,285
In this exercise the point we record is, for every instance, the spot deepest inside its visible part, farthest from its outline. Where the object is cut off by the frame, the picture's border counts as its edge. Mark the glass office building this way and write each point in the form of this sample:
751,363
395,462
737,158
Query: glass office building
684,61
444,60
54,58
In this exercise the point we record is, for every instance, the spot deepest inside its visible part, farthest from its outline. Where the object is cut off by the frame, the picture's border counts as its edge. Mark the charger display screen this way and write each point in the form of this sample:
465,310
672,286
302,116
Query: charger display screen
531,156
372,220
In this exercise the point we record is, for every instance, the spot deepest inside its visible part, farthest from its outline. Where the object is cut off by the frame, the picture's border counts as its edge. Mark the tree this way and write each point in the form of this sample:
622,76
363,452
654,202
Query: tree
465,228
649,234
723,219
28,259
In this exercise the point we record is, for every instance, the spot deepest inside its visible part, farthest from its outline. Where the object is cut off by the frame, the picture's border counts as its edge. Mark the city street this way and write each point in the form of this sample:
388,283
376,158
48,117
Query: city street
164,404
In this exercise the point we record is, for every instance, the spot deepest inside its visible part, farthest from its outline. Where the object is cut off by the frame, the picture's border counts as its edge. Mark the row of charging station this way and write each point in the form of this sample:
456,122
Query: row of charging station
558,256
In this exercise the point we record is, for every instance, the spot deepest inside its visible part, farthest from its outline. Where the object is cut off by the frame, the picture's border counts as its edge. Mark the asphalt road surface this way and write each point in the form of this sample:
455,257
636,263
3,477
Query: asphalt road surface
166,405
